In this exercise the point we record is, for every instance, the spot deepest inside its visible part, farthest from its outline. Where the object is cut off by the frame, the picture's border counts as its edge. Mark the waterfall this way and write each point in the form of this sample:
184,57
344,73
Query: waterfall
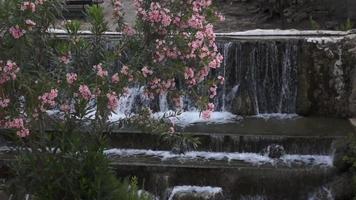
260,78
163,102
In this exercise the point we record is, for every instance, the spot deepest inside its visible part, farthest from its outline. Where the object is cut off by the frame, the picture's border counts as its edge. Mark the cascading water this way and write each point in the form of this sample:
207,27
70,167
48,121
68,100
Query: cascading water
261,77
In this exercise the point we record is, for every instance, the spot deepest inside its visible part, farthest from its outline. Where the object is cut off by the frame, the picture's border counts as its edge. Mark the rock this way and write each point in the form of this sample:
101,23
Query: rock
274,151
322,193
342,187
243,103
194,193
146,195
339,188
341,150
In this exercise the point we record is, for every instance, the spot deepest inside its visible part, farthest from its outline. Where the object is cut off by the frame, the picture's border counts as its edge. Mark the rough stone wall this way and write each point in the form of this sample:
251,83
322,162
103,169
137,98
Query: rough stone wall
284,14
351,52
327,79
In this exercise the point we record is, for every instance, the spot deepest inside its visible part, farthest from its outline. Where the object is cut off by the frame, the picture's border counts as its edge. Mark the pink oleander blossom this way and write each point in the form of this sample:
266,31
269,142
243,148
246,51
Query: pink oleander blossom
221,79
100,71
16,32
146,71
27,5
125,70
48,99
128,30
206,114
4,103
30,24
71,78
113,101
19,124
8,71
85,92
117,9
189,73
65,58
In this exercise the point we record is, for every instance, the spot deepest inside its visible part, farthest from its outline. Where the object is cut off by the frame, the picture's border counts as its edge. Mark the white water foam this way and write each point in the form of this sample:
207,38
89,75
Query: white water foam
276,116
252,158
186,118
192,117
206,190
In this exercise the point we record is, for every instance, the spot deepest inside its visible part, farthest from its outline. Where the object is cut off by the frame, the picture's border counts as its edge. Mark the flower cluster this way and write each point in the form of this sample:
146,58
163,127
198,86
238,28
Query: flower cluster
19,124
18,30
100,71
4,103
65,58
184,36
117,9
71,78
206,114
113,101
85,92
8,71
48,99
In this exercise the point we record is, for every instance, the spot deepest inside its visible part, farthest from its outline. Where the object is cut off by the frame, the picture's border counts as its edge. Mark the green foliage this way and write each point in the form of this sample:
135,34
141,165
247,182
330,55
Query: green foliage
348,25
63,168
314,24
350,159
97,19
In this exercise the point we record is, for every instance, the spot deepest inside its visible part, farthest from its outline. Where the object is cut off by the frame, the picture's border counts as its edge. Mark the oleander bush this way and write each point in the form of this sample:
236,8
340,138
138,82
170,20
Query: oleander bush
57,93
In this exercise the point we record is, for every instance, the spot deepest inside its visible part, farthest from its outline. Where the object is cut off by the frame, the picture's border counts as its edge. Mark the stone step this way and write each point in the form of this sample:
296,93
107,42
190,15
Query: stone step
238,178
240,175
298,135
227,142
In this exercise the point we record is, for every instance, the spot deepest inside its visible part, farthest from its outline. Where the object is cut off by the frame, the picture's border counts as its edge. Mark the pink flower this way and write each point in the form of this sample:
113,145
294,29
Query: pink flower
18,123
24,132
4,103
117,9
189,73
211,106
125,70
28,6
48,99
85,92
8,72
115,78
206,114
100,71
16,32
113,101
65,58
146,71
129,31
71,78
222,80
30,24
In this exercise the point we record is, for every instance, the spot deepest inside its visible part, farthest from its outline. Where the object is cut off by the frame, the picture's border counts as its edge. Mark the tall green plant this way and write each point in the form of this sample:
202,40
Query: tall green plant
57,94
